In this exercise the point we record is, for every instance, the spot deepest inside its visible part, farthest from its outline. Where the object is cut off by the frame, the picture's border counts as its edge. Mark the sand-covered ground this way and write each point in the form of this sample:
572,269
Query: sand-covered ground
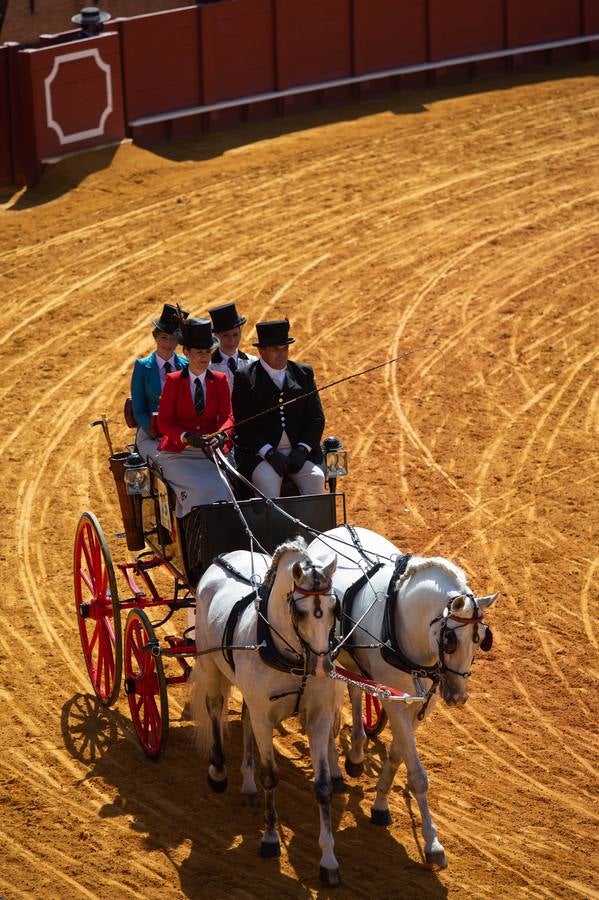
462,226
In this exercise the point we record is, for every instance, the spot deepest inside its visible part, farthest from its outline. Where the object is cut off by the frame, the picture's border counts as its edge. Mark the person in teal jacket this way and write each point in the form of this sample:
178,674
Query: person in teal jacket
149,374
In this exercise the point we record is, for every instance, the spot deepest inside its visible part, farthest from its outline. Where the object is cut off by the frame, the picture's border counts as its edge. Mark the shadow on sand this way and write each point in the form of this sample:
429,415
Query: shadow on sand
169,804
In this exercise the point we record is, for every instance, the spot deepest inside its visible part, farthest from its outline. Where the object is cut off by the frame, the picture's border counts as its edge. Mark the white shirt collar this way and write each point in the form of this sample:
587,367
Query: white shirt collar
277,375
162,361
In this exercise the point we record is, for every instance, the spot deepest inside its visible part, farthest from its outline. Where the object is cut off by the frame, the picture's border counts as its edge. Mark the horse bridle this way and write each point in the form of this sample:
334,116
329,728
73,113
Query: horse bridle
448,639
325,591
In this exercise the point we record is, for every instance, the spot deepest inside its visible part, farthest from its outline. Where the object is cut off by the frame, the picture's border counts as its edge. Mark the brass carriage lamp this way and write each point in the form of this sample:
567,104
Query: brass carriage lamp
137,476
335,456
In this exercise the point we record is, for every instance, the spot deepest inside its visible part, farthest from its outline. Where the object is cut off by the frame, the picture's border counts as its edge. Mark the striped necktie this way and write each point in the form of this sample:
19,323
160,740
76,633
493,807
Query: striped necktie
198,397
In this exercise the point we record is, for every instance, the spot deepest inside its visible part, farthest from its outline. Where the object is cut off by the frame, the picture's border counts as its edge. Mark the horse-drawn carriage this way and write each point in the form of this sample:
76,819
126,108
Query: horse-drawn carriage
386,601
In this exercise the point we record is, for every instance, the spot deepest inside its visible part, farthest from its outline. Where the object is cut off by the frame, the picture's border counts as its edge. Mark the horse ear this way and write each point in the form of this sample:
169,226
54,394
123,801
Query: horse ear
458,603
297,572
328,570
487,601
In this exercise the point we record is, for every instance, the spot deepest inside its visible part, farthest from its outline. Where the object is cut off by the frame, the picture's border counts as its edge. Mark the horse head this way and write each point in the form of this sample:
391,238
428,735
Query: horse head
455,635
312,605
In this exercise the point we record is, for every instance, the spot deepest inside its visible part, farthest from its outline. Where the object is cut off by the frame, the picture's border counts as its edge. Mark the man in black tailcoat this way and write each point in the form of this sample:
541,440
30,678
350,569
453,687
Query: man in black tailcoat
285,441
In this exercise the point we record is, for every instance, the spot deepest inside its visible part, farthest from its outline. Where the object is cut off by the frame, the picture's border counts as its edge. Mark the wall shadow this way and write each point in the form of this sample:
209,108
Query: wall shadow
169,804
61,177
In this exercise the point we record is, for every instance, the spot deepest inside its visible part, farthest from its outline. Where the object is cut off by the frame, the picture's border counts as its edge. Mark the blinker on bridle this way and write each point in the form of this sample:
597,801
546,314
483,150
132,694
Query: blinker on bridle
448,639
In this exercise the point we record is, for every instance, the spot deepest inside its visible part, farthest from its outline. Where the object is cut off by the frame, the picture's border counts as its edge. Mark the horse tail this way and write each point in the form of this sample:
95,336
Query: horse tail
206,684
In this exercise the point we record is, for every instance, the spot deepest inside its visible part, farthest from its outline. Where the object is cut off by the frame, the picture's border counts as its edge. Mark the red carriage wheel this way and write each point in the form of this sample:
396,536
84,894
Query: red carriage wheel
145,684
98,613
375,717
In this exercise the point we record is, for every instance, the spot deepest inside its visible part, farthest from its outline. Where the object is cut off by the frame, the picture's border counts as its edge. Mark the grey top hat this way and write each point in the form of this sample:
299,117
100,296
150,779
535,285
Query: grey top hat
90,15
197,335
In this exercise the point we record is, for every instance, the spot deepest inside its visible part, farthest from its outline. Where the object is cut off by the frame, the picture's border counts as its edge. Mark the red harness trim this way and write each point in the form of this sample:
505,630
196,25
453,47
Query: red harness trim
465,621
305,593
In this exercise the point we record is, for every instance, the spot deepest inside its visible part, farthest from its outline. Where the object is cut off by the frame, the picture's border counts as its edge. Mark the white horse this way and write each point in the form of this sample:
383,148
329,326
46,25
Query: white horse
296,621
431,625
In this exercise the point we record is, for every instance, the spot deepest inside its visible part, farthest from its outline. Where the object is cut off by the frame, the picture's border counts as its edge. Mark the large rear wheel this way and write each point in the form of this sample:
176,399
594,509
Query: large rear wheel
97,605
145,684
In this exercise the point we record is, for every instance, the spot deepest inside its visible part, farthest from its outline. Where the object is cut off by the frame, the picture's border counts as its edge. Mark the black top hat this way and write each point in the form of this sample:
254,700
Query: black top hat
273,334
197,335
169,320
225,317
90,15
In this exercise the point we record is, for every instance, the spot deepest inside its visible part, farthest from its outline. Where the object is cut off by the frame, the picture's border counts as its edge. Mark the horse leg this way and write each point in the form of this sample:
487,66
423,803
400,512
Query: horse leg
337,779
403,748
269,778
217,773
209,701
319,733
249,794
354,762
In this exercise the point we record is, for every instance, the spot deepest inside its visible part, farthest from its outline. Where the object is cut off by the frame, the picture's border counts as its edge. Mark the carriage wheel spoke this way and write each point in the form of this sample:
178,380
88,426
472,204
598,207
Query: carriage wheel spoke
86,580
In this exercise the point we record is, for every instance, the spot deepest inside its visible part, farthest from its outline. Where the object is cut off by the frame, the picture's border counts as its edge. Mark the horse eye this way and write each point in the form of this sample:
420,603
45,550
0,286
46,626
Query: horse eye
300,613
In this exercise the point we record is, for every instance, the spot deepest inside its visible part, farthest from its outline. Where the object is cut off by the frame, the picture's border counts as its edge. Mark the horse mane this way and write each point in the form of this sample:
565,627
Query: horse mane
420,563
298,545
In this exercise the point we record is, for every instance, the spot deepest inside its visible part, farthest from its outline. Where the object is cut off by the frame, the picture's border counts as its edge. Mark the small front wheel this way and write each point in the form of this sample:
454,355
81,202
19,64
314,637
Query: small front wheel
375,717
145,684
97,606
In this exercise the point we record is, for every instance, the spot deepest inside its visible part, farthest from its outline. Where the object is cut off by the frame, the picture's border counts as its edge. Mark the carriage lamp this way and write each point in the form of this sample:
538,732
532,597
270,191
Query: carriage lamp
335,456
137,476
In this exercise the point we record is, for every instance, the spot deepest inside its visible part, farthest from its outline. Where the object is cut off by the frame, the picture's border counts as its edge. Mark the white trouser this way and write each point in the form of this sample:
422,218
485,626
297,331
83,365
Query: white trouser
309,479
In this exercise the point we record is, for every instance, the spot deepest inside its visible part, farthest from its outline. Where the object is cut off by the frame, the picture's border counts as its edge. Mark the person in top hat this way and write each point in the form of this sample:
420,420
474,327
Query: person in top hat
194,417
227,325
91,20
149,375
286,441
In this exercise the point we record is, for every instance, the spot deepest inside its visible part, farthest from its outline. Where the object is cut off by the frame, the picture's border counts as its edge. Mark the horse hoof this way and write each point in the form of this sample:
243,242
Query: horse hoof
330,877
339,785
219,787
380,817
270,849
252,800
436,858
354,770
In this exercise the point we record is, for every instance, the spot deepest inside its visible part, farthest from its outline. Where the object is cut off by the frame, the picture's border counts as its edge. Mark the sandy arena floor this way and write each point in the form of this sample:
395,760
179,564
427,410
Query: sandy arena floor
460,226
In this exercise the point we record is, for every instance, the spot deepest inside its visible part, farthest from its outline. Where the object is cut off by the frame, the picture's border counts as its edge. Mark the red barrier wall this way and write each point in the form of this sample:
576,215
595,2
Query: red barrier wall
591,16
6,171
535,21
75,95
161,61
313,41
462,27
237,49
388,34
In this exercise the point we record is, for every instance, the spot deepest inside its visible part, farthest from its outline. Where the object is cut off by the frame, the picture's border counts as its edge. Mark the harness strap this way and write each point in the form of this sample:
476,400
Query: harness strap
391,651
269,653
229,630
355,539
226,565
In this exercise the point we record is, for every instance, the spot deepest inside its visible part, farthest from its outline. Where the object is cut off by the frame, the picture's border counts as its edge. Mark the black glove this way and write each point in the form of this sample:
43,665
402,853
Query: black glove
277,461
296,459
217,441
195,440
